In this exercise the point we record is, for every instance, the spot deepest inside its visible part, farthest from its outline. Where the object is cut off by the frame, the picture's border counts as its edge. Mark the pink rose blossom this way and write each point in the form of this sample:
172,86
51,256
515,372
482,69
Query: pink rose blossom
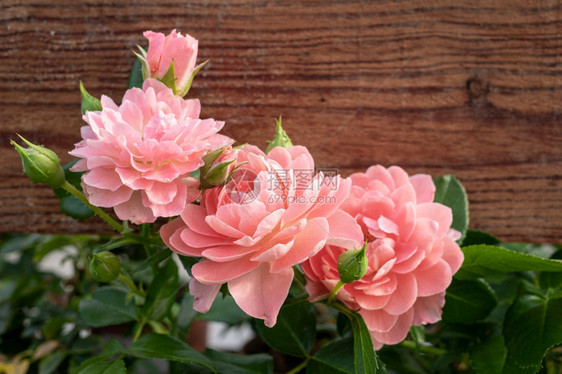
138,155
162,50
411,252
273,214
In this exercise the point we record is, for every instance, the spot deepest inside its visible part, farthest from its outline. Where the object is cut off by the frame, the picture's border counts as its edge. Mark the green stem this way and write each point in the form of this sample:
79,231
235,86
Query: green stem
299,367
80,196
138,330
338,286
422,348
130,284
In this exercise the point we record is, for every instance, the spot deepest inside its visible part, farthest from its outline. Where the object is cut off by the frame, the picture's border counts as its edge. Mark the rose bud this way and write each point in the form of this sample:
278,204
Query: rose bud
219,166
353,264
40,164
170,59
105,266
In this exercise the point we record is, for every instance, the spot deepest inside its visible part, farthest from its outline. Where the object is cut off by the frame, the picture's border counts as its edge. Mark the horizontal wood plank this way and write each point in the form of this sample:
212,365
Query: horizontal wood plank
471,88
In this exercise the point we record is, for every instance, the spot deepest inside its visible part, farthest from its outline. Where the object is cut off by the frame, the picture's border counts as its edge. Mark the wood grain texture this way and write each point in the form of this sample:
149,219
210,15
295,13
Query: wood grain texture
471,88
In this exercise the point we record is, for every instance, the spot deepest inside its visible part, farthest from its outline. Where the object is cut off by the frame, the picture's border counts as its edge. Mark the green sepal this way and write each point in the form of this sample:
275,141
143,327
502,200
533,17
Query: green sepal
89,103
281,138
169,79
185,89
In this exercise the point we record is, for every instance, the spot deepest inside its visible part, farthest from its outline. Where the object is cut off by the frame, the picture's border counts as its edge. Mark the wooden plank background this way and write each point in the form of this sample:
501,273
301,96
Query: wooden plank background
471,88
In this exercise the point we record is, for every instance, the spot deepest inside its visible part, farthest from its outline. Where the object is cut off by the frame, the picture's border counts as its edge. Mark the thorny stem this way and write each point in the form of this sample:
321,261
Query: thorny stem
80,196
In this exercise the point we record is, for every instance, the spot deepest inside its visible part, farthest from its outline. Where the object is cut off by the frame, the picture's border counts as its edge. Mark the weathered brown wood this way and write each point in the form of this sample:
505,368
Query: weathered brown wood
471,88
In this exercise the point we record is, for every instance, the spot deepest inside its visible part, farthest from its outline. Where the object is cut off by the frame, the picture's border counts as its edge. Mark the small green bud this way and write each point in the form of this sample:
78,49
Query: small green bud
105,266
89,103
40,164
353,264
219,166
281,138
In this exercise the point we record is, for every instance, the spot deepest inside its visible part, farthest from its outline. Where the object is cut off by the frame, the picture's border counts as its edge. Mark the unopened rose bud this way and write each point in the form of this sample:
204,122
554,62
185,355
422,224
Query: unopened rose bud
40,164
105,266
353,265
171,59
281,138
219,166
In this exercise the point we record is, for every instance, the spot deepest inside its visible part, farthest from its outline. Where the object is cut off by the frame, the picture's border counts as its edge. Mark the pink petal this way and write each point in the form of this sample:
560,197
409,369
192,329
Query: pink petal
438,213
195,217
398,332
204,295
378,320
207,271
107,198
261,293
307,243
424,187
134,211
404,296
225,253
102,178
452,254
428,309
344,231
433,280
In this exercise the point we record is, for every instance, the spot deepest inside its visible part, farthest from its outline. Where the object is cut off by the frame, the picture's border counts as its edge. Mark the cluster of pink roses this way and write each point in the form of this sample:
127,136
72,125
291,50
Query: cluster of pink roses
257,216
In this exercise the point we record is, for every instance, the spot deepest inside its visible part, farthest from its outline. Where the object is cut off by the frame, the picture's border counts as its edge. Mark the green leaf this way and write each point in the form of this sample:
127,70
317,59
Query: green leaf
112,348
468,301
89,103
162,292
50,363
489,356
225,309
450,192
112,367
166,347
135,78
108,306
186,313
69,204
294,332
548,279
337,357
364,356
532,325
474,237
483,260
230,363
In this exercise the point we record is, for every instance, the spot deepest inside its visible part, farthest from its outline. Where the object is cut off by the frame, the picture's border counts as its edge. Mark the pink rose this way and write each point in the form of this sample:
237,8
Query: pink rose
273,214
412,255
162,50
138,155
